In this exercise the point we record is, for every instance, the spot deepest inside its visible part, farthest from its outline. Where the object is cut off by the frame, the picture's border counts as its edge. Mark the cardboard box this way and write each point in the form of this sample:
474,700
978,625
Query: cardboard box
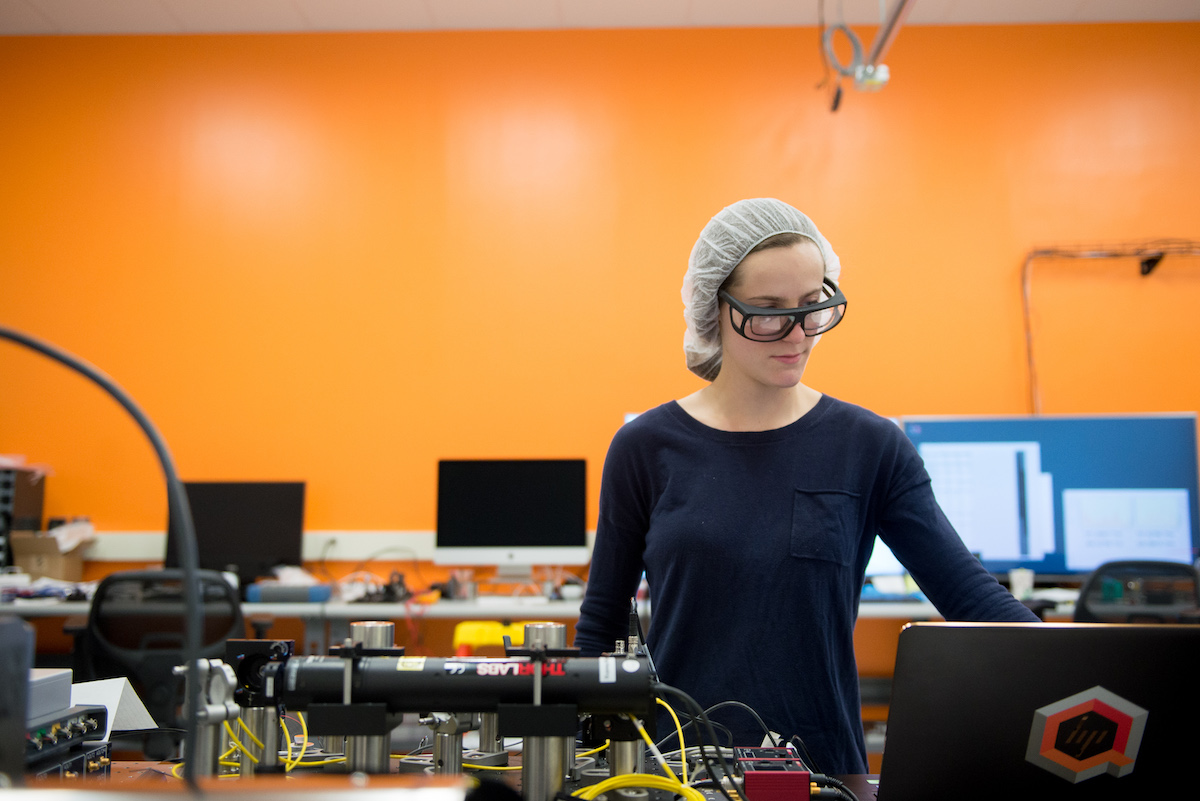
38,555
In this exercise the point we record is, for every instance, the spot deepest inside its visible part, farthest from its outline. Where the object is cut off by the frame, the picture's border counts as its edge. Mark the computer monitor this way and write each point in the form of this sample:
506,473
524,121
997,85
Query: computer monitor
244,527
1063,494
512,513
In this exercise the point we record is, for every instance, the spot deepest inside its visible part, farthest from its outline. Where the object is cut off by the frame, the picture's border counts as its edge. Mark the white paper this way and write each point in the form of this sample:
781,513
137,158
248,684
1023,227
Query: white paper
126,712
70,536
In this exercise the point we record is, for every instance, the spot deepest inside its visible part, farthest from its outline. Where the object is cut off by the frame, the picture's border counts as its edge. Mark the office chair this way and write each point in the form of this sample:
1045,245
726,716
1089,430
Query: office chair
1136,591
136,629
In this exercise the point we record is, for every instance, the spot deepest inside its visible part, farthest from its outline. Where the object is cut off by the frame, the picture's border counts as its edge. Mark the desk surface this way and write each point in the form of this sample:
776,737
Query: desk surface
490,608
494,607
147,776
329,622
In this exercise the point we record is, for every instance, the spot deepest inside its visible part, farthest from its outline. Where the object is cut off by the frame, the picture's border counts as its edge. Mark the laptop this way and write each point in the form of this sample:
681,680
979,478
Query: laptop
1042,710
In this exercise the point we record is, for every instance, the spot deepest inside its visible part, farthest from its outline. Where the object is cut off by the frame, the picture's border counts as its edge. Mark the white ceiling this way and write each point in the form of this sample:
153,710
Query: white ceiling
33,17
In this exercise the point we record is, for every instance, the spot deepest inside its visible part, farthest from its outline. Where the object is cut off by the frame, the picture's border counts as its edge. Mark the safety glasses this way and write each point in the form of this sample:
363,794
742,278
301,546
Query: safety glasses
762,324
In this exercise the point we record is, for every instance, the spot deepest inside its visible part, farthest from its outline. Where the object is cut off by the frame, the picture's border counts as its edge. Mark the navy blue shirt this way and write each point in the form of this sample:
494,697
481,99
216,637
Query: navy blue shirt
755,546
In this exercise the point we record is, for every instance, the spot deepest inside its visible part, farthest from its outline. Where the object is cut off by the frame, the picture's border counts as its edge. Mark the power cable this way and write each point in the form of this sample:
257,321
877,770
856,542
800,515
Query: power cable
185,532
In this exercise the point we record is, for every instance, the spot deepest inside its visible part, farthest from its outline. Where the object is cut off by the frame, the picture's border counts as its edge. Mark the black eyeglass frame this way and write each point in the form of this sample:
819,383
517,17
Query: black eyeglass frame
797,315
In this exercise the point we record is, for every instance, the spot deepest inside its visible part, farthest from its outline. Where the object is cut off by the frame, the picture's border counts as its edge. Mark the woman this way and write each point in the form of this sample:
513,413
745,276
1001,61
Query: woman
753,504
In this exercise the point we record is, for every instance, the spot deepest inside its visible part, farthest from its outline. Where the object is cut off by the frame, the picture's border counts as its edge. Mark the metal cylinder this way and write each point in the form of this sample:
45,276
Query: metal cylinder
370,754
541,768
553,635
625,757
490,741
568,758
207,749
547,635
373,633
263,722
447,754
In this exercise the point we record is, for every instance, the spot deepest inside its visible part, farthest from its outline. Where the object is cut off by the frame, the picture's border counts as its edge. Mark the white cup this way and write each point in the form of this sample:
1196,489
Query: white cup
1020,583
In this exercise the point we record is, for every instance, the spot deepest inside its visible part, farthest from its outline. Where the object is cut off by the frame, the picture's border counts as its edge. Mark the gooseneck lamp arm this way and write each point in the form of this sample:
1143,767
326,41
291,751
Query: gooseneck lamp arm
180,515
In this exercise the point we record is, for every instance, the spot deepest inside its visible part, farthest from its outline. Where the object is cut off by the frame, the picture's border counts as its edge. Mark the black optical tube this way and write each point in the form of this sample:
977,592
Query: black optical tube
602,685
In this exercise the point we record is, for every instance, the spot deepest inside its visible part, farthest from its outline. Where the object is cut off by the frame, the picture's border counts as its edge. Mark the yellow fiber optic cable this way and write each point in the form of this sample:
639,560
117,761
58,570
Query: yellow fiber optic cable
318,762
646,780
679,731
242,725
238,743
654,750
287,737
594,750
288,763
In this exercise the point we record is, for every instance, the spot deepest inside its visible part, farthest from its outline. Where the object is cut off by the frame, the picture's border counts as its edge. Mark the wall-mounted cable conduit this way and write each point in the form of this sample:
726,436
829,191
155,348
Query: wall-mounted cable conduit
1149,255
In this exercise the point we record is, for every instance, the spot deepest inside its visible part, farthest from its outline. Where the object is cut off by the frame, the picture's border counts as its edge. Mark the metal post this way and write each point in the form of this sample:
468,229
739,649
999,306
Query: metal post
447,753
541,768
370,754
626,756
263,721
561,763
490,741
217,683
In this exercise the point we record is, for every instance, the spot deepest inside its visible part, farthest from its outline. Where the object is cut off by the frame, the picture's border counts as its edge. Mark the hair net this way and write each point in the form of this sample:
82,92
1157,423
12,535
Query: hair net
724,242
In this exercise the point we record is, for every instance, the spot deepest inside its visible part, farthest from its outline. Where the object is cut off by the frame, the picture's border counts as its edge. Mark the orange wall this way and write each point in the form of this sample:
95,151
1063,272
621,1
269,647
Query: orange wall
342,257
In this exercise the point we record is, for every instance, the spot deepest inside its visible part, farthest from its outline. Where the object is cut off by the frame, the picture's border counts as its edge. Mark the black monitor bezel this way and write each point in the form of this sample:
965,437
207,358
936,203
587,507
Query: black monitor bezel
476,505
253,514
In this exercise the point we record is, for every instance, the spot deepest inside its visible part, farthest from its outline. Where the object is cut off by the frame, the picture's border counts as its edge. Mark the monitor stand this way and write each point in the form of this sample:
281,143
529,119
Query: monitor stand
514,574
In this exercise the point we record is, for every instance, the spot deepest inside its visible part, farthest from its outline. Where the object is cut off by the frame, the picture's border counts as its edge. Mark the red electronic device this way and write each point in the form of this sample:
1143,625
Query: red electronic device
773,774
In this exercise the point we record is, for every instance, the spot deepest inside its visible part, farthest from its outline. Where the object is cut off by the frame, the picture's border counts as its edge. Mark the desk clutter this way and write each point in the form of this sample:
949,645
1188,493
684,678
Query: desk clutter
539,722
545,724
296,585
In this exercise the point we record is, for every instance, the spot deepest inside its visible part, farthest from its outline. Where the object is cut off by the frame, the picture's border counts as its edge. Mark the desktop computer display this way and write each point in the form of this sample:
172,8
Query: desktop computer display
513,513
1061,495
247,527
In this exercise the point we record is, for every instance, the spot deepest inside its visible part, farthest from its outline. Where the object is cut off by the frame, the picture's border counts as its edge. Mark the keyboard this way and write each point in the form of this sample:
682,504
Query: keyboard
511,600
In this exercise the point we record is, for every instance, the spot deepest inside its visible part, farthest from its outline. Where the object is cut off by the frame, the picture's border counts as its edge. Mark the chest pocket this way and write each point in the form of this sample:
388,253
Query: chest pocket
825,525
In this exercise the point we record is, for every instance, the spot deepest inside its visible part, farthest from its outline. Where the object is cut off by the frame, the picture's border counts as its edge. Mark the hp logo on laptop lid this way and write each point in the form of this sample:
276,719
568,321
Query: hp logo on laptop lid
1087,734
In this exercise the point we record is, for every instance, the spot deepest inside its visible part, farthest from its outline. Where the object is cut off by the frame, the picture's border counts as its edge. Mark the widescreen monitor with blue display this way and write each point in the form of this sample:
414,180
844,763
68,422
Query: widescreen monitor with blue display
1062,495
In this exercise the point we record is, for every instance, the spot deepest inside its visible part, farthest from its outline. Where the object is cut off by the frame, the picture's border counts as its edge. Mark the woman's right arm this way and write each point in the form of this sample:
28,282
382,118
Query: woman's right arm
616,565
613,579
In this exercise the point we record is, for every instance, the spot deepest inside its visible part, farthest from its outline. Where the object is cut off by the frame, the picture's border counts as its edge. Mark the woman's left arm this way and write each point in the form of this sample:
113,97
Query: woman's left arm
922,538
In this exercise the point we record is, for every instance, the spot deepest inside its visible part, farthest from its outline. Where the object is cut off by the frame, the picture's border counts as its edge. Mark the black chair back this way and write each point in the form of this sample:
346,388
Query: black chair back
1135,591
136,629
